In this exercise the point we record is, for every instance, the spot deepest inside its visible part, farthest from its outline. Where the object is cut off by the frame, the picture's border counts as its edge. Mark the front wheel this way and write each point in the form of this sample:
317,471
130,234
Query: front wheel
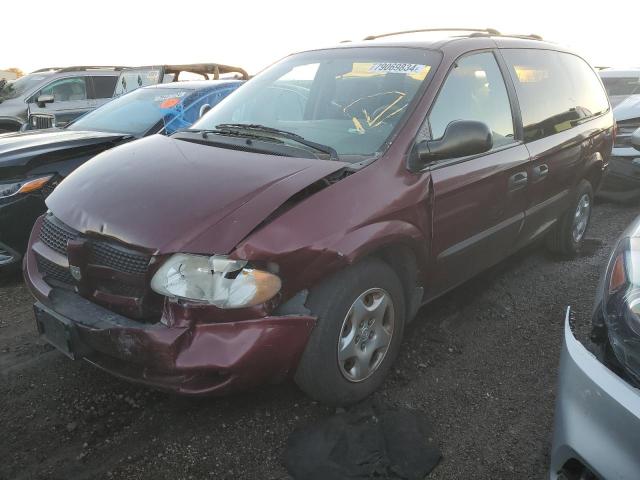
360,322
568,234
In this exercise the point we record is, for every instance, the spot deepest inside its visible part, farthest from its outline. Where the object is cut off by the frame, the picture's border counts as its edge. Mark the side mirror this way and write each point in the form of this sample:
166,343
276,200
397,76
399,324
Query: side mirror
461,138
204,109
635,139
44,99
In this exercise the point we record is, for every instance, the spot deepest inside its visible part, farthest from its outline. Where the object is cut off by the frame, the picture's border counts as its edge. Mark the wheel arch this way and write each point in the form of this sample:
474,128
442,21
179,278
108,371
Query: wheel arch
593,171
403,247
10,124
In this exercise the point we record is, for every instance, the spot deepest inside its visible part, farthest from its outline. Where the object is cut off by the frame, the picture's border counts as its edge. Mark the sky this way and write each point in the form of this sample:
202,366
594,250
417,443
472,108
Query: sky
254,34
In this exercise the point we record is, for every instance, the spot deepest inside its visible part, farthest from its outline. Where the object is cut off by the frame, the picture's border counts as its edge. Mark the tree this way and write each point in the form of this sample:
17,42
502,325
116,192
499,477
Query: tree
19,73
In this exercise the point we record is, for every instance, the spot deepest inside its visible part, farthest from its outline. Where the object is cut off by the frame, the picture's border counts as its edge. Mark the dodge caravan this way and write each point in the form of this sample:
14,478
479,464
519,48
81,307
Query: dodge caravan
296,229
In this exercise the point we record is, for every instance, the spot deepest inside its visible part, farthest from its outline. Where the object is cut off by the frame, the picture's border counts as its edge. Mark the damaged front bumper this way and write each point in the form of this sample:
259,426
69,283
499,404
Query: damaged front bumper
194,358
597,418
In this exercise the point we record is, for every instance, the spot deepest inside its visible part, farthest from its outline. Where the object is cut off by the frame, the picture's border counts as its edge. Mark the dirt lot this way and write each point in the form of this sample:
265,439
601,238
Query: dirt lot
481,361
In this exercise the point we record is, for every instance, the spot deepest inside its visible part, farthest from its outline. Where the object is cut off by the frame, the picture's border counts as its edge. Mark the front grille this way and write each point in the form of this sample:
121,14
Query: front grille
119,258
50,270
56,234
39,121
111,268
625,130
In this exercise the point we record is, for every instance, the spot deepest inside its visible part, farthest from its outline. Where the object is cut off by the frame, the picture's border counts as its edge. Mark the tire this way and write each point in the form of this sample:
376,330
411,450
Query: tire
562,239
329,376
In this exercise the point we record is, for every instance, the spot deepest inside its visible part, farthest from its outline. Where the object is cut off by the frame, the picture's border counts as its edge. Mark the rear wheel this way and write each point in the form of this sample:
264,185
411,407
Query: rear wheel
568,234
361,316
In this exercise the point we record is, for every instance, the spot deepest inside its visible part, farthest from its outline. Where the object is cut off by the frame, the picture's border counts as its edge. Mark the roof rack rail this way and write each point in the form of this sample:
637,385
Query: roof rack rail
48,69
84,68
531,36
473,32
486,31
215,69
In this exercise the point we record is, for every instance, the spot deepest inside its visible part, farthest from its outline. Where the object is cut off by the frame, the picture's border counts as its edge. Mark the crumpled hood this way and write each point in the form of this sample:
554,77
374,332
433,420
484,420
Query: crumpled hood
169,195
627,109
23,151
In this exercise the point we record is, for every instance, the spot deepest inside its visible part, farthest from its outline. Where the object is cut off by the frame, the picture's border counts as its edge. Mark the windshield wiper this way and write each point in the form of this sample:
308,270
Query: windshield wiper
252,127
228,132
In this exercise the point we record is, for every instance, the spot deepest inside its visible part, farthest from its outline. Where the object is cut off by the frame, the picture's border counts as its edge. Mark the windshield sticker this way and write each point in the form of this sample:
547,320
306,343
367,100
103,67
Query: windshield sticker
407,68
169,103
363,70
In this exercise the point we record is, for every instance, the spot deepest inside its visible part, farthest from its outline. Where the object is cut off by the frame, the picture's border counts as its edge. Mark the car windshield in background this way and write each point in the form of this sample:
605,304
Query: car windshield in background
20,86
622,85
137,112
348,99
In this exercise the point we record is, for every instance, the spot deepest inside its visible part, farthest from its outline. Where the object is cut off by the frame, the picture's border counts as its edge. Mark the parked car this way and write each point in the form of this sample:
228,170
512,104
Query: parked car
620,83
597,420
33,163
299,225
622,180
56,96
69,92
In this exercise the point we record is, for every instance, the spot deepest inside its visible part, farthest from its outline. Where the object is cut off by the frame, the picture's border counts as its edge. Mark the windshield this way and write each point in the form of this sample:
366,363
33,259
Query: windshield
21,86
622,85
350,99
137,112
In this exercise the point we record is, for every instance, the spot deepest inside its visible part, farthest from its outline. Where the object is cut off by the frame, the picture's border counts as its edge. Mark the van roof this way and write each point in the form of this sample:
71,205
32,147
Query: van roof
438,38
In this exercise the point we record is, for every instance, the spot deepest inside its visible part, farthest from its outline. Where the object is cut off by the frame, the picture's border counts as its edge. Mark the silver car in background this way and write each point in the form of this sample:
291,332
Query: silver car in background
622,180
597,420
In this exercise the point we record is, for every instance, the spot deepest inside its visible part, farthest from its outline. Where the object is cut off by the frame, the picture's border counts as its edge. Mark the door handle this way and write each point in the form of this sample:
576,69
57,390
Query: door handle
539,172
517,181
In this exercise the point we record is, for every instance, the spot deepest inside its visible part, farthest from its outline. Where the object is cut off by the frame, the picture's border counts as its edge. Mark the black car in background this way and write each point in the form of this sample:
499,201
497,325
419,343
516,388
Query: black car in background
32,163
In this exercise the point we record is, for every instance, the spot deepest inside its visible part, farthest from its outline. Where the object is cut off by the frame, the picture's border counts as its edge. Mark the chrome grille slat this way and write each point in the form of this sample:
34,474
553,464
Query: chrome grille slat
42,121
625,130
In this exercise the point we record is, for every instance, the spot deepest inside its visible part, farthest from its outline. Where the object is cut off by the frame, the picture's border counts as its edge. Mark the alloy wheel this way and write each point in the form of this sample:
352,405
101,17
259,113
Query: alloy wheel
366,334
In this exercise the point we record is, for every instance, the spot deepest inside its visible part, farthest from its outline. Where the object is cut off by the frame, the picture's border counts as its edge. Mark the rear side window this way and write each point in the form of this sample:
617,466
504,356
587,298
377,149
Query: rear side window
556,91
104,86
474,90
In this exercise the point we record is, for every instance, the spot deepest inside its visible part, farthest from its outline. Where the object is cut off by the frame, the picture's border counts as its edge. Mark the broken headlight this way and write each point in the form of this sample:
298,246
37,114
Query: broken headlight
621,304
216,280
23,186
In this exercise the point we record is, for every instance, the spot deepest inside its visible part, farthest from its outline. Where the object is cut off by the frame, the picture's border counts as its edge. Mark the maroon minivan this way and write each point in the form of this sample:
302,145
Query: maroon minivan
300,224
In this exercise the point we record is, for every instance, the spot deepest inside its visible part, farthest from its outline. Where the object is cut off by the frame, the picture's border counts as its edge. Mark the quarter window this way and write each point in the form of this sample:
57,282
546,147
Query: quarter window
66,90
474,90
556,90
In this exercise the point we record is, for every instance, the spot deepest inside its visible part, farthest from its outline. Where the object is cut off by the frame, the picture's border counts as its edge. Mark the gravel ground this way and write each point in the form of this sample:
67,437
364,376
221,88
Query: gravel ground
481,361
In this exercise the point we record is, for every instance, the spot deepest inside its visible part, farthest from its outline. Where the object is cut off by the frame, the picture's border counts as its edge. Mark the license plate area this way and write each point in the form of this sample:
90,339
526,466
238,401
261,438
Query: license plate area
57,330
